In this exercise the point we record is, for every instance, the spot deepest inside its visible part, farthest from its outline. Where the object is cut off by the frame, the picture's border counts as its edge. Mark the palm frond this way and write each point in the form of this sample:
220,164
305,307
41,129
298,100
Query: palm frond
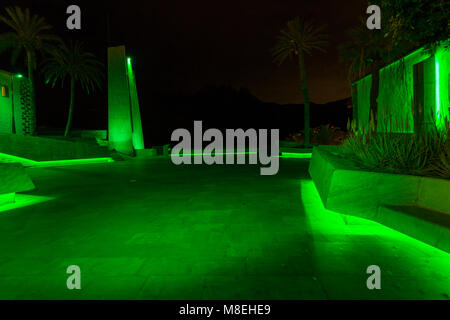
29,33
72,62
298,35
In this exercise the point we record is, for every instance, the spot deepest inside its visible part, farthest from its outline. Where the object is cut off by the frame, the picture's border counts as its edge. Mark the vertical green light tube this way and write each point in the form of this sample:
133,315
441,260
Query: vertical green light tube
438,93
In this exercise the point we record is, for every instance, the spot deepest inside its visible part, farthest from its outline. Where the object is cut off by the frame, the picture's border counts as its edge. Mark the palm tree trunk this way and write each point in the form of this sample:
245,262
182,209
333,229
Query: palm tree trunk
30,69
72,101
32,91
304,86
374,94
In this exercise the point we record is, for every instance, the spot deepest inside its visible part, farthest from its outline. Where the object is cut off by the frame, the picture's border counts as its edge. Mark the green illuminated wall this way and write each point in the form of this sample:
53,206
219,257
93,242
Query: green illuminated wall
442,65
119,109
124,118
17,110
6,119
137,135
363,87
397,92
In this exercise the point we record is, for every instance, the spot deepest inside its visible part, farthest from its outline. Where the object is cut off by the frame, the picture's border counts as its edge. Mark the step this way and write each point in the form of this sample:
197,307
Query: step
429,226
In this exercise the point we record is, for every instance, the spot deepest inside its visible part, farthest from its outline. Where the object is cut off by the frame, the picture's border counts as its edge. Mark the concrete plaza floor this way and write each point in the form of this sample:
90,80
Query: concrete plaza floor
153,230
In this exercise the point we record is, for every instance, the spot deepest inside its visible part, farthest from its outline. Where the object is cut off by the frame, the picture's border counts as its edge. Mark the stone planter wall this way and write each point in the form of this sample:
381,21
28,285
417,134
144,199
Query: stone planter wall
346,189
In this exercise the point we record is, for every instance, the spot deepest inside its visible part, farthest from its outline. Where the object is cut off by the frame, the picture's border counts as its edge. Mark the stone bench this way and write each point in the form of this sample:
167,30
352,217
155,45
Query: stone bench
13,178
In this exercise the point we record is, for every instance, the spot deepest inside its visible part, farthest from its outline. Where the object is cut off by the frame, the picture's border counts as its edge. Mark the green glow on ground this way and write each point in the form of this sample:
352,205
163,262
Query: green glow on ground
6,198
438,94
214,153
21,201
8,158
54,163
152,230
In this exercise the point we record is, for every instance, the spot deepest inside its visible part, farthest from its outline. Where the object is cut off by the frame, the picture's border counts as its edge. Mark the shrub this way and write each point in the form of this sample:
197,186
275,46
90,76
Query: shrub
323,135
425,154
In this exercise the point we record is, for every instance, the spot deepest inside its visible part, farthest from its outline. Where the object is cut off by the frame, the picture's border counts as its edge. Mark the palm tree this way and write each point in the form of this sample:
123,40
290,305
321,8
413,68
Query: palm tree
300,37
29,35
71,62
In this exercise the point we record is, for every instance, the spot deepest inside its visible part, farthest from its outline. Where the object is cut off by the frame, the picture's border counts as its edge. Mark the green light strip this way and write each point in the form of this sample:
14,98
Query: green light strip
23,200
217,153
55,163
283,154
438,93
296,155
72,162
8,158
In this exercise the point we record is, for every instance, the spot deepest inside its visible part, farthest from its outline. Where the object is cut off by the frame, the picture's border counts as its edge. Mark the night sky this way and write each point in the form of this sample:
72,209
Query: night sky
184,45
181,46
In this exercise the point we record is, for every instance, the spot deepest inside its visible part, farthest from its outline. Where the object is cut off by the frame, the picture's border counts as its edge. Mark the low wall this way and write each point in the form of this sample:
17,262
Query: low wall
347,189
13,178
47,149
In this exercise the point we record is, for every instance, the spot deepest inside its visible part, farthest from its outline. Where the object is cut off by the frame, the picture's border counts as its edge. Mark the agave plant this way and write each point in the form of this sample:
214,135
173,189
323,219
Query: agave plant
424,154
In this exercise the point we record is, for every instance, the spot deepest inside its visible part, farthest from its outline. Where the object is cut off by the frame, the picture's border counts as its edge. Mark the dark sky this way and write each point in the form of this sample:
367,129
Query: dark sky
189,44
180,46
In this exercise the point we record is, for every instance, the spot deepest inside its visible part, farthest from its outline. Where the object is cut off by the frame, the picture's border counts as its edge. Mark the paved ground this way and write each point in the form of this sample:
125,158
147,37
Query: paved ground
152,230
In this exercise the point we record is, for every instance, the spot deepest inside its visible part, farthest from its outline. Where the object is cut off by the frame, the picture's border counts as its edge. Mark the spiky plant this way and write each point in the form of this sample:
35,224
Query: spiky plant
72,63
300,37
424,154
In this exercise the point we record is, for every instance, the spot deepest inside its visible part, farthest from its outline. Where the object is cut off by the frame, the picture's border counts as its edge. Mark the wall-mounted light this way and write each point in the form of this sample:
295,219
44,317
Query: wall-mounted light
129,61
4,91
438,93
19,75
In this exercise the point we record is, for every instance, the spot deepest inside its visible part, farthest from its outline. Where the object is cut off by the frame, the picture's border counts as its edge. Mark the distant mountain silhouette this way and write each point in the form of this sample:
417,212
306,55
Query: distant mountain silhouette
225,107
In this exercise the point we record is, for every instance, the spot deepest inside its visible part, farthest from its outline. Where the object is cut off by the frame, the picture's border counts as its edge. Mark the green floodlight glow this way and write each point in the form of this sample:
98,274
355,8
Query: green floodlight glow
129,61
438,98
19,75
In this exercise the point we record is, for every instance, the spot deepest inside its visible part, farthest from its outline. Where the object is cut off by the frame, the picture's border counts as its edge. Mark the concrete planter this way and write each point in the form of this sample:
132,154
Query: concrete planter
421,202
13,178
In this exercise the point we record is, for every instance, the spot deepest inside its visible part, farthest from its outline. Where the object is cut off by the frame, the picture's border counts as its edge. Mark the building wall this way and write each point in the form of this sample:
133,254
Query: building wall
396,93
17,112
6,103
362,92
124,119
24,111
443,68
